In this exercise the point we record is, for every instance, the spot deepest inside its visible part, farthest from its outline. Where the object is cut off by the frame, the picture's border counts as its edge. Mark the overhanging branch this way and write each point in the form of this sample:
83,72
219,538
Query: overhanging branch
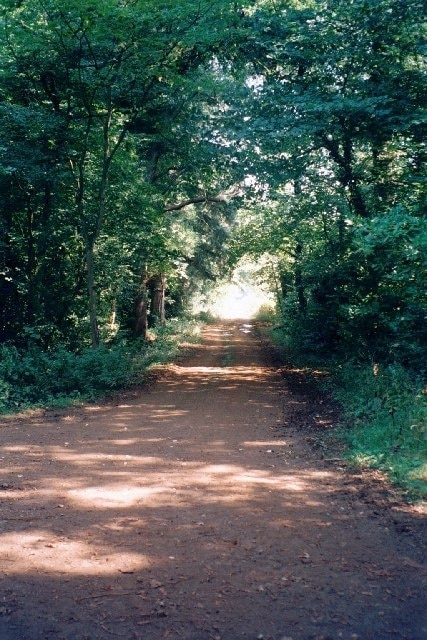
201,199
197,200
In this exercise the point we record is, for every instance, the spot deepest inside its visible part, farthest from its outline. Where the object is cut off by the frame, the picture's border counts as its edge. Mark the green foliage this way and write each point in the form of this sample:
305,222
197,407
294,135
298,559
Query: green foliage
105,121
266,313
366,299
206,317
385,310
332,130
108,135
385,427
35,377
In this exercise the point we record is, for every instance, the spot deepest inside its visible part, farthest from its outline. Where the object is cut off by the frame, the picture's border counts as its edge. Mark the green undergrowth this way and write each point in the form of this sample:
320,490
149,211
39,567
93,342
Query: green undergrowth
384,417
32,377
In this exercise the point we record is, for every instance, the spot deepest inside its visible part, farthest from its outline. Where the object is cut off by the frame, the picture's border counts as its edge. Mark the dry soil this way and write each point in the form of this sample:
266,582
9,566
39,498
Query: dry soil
200,508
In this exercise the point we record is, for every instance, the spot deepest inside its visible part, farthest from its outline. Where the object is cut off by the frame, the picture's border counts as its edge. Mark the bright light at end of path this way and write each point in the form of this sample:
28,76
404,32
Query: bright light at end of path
239,301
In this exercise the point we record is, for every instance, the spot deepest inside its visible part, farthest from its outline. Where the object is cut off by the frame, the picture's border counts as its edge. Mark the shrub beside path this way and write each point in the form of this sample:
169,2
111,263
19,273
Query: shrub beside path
197,508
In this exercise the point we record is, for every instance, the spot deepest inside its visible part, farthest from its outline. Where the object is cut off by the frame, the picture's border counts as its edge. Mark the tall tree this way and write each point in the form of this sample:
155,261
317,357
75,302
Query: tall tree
109,71
332,125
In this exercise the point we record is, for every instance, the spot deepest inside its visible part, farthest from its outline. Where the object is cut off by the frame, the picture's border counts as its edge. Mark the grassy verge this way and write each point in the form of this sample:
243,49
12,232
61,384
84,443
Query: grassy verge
385,418
35,378
384,422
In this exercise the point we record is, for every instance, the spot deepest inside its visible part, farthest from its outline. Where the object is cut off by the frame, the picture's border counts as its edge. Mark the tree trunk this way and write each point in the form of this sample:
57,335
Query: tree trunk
141,312
31,267
299,284
344,158
92,224
90,268
284,286
38,272
157,287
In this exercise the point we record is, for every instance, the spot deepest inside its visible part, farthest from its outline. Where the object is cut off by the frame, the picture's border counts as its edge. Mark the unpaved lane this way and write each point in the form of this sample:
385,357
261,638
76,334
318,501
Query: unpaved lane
190,511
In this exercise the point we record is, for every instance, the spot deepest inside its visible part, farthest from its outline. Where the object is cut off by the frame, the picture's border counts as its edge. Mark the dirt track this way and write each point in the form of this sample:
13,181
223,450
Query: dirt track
197,509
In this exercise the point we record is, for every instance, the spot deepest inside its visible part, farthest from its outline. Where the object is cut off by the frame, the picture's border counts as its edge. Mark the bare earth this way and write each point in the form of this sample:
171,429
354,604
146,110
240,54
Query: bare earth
199,509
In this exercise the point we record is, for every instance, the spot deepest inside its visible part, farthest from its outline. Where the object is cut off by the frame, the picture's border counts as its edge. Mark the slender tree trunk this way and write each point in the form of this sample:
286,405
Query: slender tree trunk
92,297
39,272
31,266
91,227
299,284
283,289
90,261
141,310
343,156
157,287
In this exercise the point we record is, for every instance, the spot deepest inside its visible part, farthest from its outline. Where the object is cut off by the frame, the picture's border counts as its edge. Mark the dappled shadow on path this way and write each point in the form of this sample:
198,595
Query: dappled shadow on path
187,513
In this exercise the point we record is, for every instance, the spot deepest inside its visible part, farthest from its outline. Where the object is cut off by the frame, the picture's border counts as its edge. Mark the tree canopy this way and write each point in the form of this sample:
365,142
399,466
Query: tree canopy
146,146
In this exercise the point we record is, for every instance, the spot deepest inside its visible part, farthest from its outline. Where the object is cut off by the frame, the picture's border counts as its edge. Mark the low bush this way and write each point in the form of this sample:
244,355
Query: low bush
33,377
266,313
207,317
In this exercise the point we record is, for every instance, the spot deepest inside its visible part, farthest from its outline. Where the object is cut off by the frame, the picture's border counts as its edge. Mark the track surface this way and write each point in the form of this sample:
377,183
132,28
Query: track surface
196,509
